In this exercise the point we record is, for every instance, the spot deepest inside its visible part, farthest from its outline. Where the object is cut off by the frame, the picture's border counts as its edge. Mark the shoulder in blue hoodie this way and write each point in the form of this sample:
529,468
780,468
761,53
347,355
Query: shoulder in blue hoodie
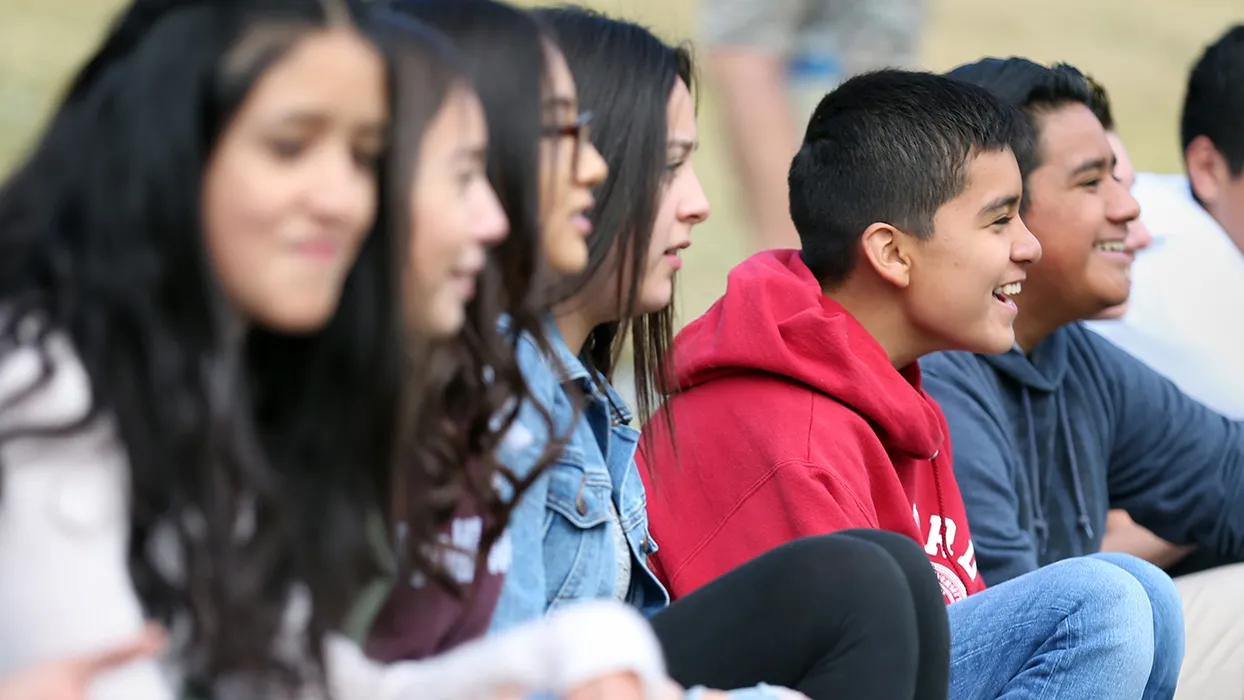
1046,443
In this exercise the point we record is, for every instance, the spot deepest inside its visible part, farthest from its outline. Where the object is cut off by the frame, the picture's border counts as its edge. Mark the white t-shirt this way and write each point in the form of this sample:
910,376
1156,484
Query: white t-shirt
65,587
1185,316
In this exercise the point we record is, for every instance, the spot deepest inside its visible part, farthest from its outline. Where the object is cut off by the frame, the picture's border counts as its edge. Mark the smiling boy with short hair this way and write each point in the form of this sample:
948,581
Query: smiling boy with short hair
798,406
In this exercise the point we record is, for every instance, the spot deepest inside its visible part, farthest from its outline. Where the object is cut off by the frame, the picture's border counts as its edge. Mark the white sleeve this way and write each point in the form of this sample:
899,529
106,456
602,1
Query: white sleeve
66,587
64,530
557,653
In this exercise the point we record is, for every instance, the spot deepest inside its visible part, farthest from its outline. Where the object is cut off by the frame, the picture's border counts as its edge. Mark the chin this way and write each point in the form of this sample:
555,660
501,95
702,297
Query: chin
1111,292
568,258
655,296
997,342
1001,347
1105,307
1112,313
650,304
443,324
568,264
297,321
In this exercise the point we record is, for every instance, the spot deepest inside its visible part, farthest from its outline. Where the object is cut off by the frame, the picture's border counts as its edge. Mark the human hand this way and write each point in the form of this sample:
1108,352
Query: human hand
627,686
69,679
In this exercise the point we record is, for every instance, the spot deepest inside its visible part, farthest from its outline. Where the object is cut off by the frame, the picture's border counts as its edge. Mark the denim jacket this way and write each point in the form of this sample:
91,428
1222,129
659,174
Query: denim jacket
560,529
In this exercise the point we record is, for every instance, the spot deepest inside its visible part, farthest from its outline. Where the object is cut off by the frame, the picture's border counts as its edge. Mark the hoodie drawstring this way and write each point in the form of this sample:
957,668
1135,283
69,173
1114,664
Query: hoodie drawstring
1082,516
941,508
1032,474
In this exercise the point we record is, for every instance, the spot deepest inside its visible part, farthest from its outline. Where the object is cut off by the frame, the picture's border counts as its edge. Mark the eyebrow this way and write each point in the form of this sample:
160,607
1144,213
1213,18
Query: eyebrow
1091,165
375,130
300,118
1000,203
684,144
558,102
473,152
314,118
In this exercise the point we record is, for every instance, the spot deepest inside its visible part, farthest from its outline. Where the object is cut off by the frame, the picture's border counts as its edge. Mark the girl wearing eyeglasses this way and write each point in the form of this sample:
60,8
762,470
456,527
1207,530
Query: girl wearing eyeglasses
483,231
851,615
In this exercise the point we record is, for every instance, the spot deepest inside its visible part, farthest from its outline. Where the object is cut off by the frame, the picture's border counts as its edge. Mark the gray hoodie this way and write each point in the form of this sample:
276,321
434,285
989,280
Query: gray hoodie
1046,443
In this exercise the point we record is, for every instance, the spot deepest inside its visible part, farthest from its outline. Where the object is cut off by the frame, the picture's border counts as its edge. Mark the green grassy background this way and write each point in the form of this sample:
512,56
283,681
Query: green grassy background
1140,49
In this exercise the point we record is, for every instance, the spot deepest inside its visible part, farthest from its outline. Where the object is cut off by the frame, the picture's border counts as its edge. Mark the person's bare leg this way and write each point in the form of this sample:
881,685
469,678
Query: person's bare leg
755,106
884,34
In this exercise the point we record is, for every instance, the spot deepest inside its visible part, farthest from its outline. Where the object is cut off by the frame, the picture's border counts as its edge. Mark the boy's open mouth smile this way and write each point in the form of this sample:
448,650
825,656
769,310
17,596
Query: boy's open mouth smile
1003,293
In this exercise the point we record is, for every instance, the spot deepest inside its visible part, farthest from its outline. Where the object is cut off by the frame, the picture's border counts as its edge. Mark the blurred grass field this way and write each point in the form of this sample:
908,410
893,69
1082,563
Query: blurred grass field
1140,49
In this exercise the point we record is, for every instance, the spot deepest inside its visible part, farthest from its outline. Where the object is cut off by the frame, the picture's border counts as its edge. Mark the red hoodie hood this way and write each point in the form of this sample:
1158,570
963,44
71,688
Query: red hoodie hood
774,318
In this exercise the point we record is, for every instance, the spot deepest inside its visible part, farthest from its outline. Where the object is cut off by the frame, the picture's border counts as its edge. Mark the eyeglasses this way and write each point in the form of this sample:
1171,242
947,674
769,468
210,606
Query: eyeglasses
578,130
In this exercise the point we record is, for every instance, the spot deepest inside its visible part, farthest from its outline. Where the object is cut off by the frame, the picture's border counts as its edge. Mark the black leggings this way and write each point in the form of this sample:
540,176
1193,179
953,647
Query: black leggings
855,614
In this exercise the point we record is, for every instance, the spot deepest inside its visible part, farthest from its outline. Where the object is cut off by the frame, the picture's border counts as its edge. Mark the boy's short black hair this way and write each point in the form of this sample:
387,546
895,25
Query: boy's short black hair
1214,104
1033,88
1100,103
891,146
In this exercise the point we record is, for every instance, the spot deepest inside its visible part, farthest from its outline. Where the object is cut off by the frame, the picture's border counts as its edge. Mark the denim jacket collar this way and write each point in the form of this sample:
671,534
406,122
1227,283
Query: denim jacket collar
594,384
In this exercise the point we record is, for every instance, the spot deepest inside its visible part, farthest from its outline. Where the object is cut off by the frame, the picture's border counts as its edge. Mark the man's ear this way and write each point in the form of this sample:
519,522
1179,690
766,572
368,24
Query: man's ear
1207,170
885,248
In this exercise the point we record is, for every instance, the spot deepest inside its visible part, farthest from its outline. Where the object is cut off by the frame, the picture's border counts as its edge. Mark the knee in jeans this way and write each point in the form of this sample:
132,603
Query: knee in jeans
1167,607
1090,582
1109,604
1163,595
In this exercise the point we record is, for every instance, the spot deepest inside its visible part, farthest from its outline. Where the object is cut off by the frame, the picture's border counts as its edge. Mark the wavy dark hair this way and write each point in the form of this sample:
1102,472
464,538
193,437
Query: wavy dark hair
624,74
101,241
473,387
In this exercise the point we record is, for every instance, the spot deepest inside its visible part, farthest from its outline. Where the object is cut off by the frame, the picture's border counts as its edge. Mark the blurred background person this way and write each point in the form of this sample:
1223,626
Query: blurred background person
1185,317
772,61
1143,52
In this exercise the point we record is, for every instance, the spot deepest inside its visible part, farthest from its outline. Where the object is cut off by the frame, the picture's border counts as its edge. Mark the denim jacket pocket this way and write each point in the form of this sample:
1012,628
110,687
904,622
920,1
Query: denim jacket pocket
578,551
578,495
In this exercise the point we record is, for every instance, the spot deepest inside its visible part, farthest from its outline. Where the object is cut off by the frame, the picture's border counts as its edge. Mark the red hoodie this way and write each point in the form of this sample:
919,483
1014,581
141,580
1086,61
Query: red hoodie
791,421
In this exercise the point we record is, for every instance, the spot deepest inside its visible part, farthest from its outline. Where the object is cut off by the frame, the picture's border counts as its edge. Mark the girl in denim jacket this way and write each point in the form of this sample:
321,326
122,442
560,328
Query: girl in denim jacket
851,615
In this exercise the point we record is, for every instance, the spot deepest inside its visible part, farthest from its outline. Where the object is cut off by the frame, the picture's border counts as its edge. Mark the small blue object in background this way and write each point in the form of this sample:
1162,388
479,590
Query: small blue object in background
810,75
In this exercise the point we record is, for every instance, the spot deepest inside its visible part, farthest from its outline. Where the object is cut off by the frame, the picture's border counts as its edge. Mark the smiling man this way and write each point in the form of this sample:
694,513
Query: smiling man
1066,425
798,407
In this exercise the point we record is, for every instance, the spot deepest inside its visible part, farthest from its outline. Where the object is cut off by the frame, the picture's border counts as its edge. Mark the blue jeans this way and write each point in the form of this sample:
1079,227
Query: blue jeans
1107,627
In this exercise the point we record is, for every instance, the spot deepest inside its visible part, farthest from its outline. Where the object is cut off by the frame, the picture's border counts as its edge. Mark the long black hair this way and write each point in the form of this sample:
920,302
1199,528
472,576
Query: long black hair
447,399
101,242
624,74
476,386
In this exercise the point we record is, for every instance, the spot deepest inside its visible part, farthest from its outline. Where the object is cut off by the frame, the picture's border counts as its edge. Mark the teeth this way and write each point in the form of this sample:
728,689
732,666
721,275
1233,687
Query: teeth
1111,246
1009,290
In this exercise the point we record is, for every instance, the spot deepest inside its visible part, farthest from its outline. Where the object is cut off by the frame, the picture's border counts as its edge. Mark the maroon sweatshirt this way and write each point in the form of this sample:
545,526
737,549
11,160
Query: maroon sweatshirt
421,619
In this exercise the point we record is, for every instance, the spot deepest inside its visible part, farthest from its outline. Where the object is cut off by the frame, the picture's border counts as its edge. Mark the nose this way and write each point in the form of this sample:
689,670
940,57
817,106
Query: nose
340,191
592,169
492,225
1121,207
694,208
1138,236
1026,249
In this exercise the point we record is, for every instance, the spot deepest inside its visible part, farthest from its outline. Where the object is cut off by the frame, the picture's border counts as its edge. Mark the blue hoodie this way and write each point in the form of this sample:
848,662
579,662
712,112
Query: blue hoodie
1046,443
